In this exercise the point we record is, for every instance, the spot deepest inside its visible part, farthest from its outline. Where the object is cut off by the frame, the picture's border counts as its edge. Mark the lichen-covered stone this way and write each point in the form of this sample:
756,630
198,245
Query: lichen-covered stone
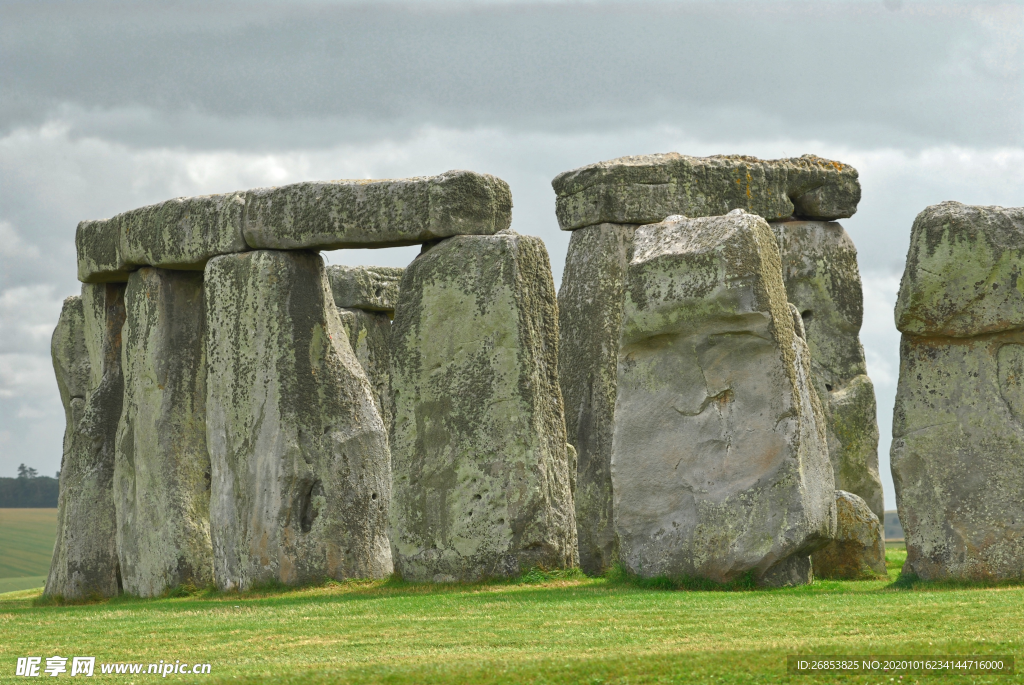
343,214
482,485
299,456
963,273
162,467
98,244
819,267
369,334
719,458
858,551
958,455
647,188
183,233
373,288
589,318
86,351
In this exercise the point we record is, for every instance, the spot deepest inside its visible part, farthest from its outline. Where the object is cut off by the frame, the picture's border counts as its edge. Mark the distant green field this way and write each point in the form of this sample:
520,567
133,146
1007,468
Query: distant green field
26,542
594,631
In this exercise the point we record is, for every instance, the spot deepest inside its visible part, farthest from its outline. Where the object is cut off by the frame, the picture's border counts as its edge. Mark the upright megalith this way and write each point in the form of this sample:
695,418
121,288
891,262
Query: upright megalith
858,550
162,467
958,425
482,473
719,459
301,479
86,350
370,288
819,267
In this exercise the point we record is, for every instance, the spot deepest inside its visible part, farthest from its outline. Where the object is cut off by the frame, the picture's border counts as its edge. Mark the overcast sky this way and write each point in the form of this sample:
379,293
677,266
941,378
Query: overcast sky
109,106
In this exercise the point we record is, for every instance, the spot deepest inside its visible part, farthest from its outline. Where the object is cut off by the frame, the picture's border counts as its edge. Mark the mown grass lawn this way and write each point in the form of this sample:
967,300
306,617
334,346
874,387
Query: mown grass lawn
557,631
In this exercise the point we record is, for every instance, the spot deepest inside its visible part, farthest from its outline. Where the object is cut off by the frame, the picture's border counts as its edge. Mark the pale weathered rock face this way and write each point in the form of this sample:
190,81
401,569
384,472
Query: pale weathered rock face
162,467
858,551
183,233
339,214
86,350
719,458
482,482
369,334
589,318
372,288
299,456
819,267
647,188
98,244
958,425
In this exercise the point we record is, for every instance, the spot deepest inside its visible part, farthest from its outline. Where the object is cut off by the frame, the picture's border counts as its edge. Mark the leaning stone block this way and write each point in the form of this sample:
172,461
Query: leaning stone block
719,461
819,267
98,244
482,482
647,188
86,350
329,215
369,333
183,233
299,456
589,318
162,467
858,551
373,288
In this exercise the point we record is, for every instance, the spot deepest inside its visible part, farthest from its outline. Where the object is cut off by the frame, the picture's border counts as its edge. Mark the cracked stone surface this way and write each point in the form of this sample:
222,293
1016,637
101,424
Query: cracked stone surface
858,551
483,476
299,455
719,460
162,466
86,351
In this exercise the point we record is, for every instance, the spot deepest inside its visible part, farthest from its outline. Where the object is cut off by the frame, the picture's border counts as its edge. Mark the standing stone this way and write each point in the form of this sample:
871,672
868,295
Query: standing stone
958,425
589,319
858,551
299,456
819,266
86,350
719,459
372,288
482,480
369,334
162,467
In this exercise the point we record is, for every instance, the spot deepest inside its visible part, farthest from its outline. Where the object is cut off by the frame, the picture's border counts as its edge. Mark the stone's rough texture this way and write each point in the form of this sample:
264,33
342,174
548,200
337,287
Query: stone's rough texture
373,288
369,334
819,267
481,474
647,188
963,273
99,252
958,455
339,214
299,456
86,351
589,318
858,551
719,458
162,468
183,233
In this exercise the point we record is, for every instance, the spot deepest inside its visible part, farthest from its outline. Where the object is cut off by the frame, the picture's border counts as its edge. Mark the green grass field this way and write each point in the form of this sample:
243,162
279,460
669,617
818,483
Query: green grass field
555,631
26,545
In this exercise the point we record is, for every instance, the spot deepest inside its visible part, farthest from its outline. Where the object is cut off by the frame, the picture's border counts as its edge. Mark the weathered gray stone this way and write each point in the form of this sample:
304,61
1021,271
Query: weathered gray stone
373,288
342,214
482,482
299,456
647,188
589,318
162,467
86,350
858,551
819,267
98,244
963,273
183,233
719,458
369,334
